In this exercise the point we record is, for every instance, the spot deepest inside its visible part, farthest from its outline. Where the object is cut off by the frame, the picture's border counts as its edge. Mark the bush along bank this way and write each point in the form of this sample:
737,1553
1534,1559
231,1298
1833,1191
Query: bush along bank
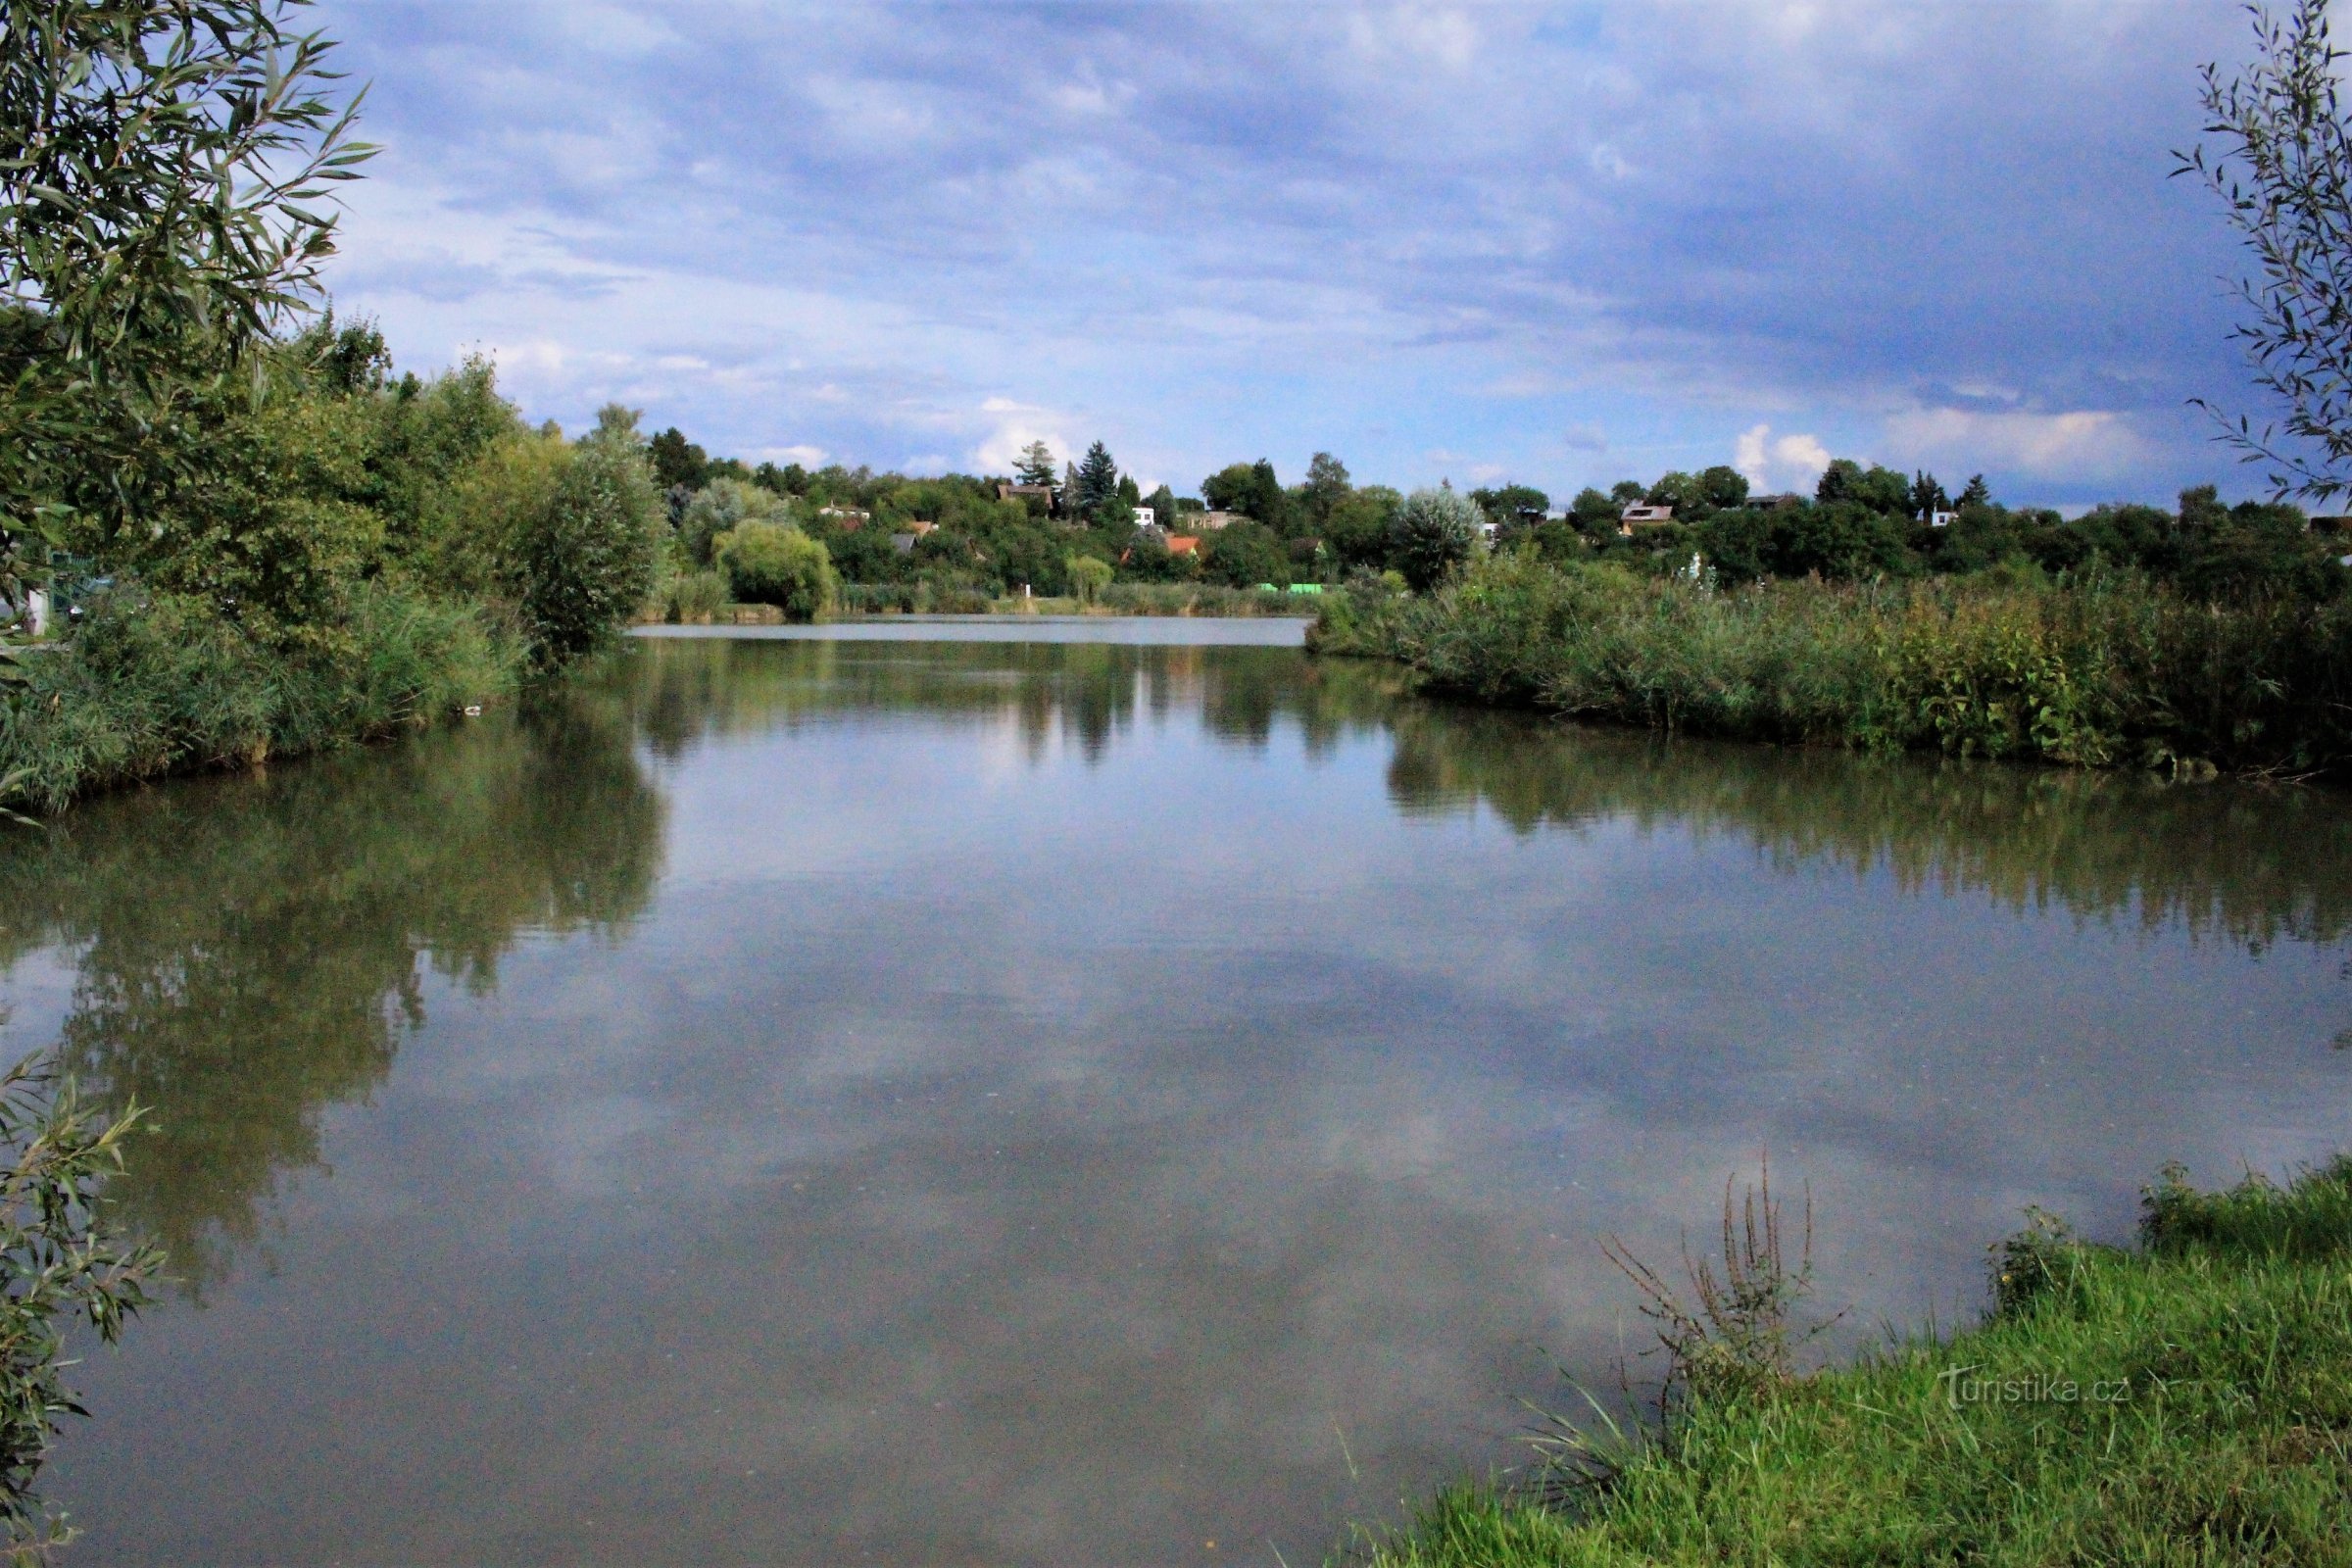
2187,1400
341,557
2092,667
150,686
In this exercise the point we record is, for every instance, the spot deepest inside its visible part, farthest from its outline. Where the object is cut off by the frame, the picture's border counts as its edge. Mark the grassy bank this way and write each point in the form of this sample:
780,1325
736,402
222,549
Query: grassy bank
2093,669
2188,1401
160,685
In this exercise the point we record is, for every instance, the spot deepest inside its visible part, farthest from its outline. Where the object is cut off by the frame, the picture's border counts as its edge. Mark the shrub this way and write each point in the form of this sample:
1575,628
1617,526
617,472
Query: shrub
720,507
1089,576
150,686
587,562
770,564
59,1259
692,598
1433,533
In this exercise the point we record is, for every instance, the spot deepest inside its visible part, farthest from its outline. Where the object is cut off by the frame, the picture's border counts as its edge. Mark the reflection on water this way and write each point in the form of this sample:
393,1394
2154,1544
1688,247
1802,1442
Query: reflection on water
813,1100
249,950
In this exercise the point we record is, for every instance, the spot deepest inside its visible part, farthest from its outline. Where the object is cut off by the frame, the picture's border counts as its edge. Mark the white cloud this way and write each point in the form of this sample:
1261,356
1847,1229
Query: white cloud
2085,444
1793,461
805,455
1002,449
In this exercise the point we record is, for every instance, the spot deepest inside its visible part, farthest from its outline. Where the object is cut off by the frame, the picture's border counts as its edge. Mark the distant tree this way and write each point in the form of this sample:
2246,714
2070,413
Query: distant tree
1627,492
1098,482
1927,497
1357,529
1035,465
769,564
1163,505
2282,165
586,563
1593,507
678,461
1674,489
1326,487
1434,532
1244,554
1721,488
1975,493
1250,489
1129,491
1065,500
1089,575
1878,488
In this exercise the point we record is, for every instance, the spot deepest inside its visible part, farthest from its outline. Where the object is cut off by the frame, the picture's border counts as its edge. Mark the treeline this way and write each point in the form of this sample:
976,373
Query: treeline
964,536
1865,523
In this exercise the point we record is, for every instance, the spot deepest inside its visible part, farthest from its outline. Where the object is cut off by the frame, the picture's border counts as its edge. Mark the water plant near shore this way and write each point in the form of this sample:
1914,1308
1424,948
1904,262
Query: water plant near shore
157,685
2186,1401
2096,668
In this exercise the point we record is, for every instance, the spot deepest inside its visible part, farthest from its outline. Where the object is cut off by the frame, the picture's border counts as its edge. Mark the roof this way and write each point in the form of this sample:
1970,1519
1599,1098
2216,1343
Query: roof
1183,544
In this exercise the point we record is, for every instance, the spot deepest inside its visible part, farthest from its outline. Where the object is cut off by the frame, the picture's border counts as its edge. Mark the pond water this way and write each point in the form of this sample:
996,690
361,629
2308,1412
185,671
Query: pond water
823,1100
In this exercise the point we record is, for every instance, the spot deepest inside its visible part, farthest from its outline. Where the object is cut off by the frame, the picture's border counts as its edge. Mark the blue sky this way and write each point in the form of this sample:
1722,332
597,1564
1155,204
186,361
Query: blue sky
1557,244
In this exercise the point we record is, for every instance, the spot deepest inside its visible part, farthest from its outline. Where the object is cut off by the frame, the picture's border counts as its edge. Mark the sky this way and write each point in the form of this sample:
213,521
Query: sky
1547,244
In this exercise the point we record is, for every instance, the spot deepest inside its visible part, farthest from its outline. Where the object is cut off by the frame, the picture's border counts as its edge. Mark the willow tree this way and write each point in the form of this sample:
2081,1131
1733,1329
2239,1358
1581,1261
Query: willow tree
165,173
2279,155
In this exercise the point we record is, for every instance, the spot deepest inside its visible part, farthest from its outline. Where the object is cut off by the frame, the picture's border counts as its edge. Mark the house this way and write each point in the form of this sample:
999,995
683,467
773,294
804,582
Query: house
1212,521
1183,544
918,528
1776,502
902,543
849,519
1640,515
1943,520
1145,517
1007,490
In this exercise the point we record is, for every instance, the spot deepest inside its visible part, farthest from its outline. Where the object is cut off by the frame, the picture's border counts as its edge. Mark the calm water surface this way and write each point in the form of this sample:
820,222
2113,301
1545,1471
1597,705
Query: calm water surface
823,1100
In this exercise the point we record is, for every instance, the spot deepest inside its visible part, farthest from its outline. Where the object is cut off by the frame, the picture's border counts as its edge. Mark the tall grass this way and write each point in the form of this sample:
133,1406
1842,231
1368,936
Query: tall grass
2100,669
2185,1401
159,685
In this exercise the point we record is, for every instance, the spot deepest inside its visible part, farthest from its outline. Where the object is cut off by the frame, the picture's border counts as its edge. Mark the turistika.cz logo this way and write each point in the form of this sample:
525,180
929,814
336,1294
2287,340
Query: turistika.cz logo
1962,1386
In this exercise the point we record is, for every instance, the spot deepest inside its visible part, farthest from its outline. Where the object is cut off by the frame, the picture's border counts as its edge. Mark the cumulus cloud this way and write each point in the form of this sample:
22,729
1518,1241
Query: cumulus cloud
1786,463
2084,443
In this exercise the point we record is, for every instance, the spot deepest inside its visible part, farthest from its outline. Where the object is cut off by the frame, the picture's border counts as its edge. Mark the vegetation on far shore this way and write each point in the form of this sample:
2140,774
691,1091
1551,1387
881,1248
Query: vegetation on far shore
2185,1402
2095,668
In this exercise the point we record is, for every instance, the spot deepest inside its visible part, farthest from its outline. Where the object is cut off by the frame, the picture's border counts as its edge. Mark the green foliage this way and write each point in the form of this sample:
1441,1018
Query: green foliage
1098,483
1243,555
2184,1402
162,169
1357,529
150,686
586,563
1035,466
722,508
769,564
1250,489
1433,533
690,598
1326,490
62,1261
678,464
2096,669
1874,489
2281,164
1089,576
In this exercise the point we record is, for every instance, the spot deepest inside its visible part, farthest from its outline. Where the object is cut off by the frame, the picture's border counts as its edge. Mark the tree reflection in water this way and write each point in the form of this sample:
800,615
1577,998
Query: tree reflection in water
250,950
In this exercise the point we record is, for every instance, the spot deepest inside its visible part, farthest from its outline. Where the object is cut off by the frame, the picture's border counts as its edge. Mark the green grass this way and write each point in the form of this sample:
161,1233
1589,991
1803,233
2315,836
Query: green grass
2228,1329
152,686
2103,670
